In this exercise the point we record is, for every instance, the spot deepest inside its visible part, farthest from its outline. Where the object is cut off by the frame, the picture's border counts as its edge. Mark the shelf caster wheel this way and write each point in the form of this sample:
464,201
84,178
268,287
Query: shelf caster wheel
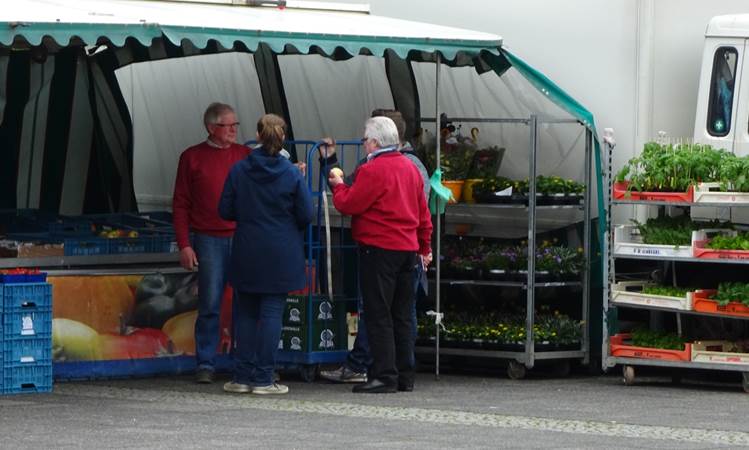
562,369
745,381
308,373
629,375
516,370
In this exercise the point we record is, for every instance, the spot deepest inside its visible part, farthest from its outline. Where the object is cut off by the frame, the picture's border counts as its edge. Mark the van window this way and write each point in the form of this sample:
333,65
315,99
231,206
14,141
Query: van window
721,91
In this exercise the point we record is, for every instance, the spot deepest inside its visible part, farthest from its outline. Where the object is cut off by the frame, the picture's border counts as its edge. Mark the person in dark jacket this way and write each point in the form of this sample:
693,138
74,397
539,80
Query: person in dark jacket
267,196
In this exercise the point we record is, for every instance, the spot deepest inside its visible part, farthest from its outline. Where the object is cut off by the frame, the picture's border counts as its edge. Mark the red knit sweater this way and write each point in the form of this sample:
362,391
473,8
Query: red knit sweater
200,180
387,205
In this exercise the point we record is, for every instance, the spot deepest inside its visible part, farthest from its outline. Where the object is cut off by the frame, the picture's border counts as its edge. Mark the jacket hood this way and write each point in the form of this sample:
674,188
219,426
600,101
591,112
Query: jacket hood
264,168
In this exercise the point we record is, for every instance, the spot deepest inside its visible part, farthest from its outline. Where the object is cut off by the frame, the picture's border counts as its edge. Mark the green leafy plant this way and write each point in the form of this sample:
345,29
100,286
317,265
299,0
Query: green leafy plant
722,242
672,168
558,185
553,328
668,291
490,185
732,292
734,173
666,230
657,339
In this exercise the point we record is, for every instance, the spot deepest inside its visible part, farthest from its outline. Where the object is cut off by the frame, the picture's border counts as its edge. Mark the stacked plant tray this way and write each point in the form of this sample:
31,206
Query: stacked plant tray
621,348
630,293
627,241
711,193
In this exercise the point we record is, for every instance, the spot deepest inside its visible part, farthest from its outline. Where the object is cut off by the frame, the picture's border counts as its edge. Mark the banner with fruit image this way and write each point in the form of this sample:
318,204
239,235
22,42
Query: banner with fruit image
121,317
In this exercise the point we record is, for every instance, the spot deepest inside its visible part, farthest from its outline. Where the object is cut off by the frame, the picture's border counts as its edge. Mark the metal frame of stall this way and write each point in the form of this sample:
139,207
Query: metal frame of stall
520,361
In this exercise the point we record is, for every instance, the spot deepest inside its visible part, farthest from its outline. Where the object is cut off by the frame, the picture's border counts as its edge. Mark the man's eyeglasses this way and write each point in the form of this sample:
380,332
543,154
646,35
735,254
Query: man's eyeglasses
232,125
364,139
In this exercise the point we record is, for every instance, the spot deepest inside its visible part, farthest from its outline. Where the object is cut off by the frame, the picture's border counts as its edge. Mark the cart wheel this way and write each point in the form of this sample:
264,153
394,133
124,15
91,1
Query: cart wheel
516,370
308,372
745,381
562,369
629,375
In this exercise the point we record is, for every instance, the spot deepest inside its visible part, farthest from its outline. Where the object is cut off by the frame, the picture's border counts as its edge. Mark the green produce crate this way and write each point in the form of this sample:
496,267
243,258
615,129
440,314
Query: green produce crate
326,336
322,310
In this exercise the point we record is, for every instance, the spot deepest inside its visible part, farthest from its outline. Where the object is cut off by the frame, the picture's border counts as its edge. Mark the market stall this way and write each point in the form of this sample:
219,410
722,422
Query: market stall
80,105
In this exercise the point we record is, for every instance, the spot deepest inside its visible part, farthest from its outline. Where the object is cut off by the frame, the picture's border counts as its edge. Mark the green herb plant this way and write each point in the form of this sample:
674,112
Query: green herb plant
667,291
732,292
669,168
657,339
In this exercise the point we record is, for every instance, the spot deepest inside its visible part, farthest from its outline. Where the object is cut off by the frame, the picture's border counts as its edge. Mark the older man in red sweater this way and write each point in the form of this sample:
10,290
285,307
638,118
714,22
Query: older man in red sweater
391,223
200,180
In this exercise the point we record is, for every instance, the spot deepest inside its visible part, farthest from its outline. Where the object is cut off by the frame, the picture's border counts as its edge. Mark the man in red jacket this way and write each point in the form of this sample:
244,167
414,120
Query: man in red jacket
200,179
391,223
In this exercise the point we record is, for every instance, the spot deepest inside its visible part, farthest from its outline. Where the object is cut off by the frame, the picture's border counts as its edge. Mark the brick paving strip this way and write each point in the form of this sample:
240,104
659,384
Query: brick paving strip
449,417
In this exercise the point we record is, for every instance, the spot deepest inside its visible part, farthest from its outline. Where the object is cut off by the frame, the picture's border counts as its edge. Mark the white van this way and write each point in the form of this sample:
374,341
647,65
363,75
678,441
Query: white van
722,118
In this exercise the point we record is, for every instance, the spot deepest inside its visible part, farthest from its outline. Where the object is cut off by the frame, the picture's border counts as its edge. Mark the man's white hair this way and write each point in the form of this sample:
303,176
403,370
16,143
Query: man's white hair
383,130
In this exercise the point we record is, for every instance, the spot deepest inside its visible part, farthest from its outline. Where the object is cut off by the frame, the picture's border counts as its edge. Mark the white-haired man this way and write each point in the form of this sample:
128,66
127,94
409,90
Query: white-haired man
391,223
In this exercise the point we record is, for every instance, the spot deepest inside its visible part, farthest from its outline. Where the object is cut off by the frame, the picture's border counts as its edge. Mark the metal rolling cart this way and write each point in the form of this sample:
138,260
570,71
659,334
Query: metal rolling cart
521,360
690,358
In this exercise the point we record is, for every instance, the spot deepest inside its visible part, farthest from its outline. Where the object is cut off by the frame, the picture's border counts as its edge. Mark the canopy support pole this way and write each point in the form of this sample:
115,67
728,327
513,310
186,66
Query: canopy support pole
438,228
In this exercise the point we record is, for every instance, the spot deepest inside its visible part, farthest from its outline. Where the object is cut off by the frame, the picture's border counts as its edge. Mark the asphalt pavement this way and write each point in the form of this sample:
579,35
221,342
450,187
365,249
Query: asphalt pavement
480,409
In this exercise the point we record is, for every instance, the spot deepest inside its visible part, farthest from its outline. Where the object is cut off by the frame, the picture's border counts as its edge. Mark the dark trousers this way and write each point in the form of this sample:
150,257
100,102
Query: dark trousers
386,278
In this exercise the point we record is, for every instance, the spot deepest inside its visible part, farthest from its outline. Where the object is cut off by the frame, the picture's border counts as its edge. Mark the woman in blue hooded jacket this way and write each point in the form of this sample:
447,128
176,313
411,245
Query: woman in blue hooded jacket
267,196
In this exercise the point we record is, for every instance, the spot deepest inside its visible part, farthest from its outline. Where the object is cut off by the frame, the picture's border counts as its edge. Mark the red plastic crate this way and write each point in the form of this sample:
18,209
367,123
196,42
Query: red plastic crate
619,349
702,301
700,251
620,193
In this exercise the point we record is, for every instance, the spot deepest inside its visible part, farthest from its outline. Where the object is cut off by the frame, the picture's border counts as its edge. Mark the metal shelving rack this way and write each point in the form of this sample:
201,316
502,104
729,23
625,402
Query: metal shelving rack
628,364
520,361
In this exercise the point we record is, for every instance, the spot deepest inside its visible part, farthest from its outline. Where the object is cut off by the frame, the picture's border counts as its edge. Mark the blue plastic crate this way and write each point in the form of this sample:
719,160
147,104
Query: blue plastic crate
87,247
19,352
129,245
11,278
14,278
71,228
161,244
26,294
26,379
25,323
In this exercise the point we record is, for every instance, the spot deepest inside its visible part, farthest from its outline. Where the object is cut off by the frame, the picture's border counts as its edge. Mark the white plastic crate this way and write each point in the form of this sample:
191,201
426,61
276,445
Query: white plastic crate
630,293
627,241
710,193
713,352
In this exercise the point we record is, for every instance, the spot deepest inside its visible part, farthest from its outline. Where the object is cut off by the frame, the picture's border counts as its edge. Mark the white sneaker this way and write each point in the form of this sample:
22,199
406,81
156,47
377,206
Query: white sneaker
272,389
237,388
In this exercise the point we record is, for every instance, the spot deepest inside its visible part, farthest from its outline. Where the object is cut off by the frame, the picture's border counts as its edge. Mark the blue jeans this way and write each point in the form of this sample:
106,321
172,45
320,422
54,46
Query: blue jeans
213,264
359,358
258,331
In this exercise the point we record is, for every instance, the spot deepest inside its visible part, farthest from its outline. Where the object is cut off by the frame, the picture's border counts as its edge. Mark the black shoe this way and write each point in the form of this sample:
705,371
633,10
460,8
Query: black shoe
204,376
374,387
406,387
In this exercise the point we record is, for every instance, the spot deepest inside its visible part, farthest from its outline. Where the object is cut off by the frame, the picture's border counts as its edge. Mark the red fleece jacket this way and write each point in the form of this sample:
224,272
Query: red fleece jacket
200,180
387,205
